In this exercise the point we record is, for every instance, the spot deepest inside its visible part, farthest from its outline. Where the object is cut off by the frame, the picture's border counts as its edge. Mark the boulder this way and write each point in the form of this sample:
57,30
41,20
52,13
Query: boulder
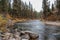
32,35
25,37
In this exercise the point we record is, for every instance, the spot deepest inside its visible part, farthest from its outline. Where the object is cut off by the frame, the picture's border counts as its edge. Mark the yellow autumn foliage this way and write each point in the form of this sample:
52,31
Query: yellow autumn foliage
3,22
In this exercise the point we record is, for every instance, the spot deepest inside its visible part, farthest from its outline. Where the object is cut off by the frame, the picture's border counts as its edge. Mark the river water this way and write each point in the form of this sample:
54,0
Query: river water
38,27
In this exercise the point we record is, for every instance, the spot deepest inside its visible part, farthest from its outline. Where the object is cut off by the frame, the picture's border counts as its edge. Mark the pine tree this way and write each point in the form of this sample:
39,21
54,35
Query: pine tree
4,5
58,6
9,8
0,5
52,7
48,6
22,9
31,10
45,8
17,8
26,10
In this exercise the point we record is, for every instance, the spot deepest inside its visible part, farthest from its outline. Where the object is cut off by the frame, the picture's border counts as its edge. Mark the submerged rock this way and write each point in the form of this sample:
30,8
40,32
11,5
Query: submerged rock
32,35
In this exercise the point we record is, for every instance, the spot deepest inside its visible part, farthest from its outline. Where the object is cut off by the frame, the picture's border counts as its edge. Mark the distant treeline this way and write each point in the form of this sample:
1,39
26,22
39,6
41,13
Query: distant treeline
18,9
53,13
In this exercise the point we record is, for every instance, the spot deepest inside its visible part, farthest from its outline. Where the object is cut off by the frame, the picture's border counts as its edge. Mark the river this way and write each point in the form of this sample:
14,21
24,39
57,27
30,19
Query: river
38,27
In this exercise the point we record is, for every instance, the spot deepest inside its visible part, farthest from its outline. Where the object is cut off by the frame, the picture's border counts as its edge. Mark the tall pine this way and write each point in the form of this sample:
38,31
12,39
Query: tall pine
45,8
58,7
17,8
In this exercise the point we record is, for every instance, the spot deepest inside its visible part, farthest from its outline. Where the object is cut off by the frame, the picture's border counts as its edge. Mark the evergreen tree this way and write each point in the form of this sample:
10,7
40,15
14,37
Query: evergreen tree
26,10
52,7
58,6
45,8
48,6
16,8
31,10
9,8
4,5
0,5
22,9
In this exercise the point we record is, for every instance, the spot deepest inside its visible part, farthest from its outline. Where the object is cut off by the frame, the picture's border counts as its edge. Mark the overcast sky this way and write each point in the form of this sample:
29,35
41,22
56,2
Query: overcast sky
37,4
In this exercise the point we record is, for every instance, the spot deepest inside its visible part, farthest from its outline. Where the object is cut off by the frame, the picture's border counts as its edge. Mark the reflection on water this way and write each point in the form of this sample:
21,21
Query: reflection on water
39,28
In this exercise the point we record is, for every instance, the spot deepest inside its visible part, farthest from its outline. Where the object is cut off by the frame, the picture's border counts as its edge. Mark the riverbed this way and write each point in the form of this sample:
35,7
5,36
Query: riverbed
40,28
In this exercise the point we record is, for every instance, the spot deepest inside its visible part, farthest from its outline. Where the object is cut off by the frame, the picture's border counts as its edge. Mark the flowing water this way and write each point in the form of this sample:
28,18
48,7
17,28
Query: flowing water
38,27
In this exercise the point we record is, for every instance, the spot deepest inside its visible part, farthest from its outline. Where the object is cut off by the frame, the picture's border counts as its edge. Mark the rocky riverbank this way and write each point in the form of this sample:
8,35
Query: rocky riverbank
19,35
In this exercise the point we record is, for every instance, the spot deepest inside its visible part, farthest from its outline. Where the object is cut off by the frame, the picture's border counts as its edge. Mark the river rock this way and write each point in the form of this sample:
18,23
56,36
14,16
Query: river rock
25,37
22,32
7,35
17,36
32,35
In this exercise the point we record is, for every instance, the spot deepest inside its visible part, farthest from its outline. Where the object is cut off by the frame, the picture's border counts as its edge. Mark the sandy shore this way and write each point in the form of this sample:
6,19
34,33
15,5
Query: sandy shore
52,23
